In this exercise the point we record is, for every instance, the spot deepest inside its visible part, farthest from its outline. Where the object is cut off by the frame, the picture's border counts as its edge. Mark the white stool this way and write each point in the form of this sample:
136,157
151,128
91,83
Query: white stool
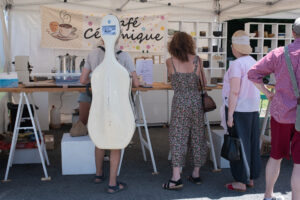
77,155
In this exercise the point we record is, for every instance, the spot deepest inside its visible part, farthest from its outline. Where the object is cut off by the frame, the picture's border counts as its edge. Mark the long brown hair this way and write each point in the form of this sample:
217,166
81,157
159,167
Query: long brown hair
181,45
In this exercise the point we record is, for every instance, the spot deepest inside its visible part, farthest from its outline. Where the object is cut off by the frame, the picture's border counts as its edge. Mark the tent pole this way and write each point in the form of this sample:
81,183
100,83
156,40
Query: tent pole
6,30
124,4
216,7
37,4
98,7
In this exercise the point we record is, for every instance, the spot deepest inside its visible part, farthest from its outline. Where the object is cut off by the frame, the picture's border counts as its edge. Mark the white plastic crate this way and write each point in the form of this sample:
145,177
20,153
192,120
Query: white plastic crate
77,155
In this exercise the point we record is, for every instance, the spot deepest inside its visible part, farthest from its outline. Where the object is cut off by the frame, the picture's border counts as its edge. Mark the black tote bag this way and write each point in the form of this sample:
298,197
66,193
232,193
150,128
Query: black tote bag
231,149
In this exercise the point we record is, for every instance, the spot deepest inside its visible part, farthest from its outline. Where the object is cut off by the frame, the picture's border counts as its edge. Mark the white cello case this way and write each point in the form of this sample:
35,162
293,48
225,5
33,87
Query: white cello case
111,122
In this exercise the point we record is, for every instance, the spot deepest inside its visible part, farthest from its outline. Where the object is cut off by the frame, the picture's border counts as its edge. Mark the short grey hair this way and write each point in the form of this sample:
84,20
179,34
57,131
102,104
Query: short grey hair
296,26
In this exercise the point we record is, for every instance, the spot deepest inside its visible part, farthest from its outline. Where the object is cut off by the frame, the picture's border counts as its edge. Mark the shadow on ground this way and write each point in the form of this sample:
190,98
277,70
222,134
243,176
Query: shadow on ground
135,172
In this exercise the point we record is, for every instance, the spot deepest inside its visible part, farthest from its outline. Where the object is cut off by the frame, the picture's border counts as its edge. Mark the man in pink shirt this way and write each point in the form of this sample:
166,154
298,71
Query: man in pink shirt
285,138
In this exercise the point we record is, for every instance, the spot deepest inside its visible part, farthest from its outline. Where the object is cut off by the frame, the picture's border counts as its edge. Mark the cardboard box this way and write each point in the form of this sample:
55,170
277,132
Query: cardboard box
26,156
49,141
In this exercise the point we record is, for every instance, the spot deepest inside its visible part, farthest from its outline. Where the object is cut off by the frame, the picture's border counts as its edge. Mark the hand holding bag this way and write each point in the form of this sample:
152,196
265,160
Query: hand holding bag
231,149
207,101
295,87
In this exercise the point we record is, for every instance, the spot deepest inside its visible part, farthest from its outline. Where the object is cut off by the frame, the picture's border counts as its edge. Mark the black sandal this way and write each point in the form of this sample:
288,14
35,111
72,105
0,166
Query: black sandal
116,188
101,179
178,185
196,180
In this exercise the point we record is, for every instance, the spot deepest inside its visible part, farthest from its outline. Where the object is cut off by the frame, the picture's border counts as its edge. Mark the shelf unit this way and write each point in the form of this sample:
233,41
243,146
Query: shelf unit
214,55
262,43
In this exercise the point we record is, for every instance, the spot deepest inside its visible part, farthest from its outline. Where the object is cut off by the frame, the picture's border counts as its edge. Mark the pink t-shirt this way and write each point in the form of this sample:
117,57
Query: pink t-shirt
284,103
249,95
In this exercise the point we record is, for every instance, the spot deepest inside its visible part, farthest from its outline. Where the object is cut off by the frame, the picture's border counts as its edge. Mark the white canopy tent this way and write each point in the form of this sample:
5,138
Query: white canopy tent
22,33
223,9
208,10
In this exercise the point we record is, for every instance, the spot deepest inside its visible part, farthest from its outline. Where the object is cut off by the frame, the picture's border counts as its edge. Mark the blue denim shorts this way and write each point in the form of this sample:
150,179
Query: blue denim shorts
83,97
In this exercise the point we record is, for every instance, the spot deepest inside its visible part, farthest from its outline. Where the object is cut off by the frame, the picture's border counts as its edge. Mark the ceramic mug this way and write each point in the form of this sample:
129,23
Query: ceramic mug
66,29
266,48
53,26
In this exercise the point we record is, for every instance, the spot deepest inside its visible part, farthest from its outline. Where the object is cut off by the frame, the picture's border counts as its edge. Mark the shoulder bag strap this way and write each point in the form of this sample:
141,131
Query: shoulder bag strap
201,78
173,65
196,64
292,74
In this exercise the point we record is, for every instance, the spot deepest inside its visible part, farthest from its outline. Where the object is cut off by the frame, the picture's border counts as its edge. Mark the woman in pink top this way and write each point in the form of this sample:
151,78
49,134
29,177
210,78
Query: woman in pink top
241,99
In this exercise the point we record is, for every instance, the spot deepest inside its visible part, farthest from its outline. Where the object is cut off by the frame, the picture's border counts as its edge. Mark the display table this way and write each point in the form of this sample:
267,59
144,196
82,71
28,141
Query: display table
26,95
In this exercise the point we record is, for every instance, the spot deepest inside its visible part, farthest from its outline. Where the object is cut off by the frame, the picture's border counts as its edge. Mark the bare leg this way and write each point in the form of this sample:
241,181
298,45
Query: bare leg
176,174
114,165
84,110
196,172
296,182
99,156
237,186
272,173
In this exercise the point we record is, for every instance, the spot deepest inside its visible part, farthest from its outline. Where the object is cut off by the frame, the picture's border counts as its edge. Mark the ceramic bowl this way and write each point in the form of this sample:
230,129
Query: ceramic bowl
251,35
217,33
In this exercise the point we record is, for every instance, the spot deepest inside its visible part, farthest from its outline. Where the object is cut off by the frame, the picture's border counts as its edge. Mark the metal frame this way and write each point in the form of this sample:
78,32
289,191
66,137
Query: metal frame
37,133
263,137
141,122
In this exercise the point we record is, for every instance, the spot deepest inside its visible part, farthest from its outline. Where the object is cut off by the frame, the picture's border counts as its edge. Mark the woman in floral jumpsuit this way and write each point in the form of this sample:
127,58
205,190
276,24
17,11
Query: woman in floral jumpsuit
187,119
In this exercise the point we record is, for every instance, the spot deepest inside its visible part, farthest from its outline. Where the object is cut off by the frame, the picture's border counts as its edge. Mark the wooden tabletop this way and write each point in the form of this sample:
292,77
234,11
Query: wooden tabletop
53,88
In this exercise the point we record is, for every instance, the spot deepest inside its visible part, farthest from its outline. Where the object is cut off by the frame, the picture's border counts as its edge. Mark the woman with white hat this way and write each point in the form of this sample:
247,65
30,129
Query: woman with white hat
241,99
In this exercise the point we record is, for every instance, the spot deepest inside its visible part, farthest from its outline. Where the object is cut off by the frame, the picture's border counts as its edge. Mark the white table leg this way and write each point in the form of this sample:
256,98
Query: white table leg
39,129
148,143
15,136
212,149
37,139
138,124
121,159
264,126
14,143
143,142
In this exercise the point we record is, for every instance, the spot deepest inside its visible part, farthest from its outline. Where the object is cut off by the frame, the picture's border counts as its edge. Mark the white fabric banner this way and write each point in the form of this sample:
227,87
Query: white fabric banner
71,29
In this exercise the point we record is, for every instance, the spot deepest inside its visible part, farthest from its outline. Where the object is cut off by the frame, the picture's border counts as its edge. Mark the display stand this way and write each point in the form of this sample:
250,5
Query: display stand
37,133
264,37
141,122
210,43
211,144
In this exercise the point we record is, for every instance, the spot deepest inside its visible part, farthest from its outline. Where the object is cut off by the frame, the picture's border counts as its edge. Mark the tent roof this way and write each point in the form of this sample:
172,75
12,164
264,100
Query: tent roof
222,9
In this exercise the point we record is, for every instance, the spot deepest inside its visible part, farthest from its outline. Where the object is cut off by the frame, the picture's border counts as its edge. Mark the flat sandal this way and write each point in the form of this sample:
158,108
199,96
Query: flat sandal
177,185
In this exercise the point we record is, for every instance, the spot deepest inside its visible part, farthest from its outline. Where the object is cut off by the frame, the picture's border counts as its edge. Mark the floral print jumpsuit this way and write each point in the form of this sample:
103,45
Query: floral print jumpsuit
187,119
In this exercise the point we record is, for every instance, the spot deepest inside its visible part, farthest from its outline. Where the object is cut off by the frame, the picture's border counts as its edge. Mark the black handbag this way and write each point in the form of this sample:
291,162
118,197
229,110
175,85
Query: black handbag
231,149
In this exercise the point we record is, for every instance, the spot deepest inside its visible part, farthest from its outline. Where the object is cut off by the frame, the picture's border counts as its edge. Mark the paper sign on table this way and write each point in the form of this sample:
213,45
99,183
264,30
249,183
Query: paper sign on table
144,68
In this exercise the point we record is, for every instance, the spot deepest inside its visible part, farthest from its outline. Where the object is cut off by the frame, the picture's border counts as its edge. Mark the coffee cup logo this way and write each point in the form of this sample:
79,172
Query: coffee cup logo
63,31
53,26
66,30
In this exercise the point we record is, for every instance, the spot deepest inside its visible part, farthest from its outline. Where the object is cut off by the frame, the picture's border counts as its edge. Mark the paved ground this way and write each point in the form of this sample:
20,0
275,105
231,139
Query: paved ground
135,172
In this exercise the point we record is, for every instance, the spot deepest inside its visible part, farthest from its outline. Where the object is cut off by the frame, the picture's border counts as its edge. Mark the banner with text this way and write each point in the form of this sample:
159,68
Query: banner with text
70,29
